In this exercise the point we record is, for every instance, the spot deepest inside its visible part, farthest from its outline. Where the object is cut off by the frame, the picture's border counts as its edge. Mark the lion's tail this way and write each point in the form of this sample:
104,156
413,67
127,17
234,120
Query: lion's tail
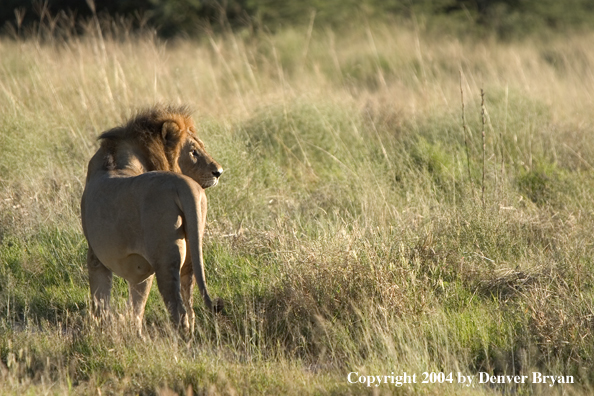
192,202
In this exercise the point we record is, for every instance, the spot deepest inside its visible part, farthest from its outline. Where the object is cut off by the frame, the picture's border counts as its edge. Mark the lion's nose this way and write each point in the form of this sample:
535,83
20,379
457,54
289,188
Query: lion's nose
218,172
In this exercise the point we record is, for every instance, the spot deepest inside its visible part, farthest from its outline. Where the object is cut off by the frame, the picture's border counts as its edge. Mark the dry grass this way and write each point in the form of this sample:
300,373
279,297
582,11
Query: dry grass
348,232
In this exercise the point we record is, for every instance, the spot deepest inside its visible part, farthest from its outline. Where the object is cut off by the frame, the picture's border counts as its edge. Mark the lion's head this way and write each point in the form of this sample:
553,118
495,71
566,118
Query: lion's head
196,163
162,138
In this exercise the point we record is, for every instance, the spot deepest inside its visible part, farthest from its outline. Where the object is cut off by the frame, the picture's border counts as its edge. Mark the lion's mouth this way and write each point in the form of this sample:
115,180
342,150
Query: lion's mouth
209,182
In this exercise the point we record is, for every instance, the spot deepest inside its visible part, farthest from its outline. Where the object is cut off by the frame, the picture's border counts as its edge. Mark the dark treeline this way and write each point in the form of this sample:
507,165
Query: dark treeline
507,18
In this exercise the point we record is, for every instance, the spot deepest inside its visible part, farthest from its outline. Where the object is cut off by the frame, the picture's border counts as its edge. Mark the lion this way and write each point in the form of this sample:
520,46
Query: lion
143,213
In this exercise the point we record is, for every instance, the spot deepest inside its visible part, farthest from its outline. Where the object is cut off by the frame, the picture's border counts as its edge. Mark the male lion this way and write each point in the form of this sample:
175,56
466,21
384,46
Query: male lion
139,222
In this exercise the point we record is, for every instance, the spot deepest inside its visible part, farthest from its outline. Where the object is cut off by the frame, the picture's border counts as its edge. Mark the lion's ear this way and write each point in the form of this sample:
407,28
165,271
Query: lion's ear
170,131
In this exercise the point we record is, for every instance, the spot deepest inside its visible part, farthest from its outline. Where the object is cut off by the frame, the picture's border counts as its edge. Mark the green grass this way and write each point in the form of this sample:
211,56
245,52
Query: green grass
348,233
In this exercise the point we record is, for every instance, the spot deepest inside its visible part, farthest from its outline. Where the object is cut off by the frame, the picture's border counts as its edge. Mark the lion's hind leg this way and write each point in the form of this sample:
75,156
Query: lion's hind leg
187,289
138,294
168,281
100,281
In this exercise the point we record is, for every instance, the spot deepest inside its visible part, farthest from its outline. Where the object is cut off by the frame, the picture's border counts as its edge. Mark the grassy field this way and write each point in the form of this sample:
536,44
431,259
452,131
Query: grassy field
357,227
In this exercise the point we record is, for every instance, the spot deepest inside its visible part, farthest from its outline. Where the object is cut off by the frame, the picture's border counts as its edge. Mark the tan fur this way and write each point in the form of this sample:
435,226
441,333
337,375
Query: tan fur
138,222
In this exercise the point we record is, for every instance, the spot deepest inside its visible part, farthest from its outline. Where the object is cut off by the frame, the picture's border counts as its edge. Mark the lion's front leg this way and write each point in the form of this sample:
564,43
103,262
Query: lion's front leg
100,281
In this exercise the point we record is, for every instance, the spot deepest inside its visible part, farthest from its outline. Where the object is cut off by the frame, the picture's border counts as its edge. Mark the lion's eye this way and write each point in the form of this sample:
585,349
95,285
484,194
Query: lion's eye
195,153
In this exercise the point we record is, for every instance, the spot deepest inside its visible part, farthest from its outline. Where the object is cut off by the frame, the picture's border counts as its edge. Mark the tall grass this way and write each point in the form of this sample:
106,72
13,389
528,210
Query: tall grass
348,232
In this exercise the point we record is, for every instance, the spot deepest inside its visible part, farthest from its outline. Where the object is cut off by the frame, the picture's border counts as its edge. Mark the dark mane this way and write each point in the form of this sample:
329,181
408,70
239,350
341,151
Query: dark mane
145,131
